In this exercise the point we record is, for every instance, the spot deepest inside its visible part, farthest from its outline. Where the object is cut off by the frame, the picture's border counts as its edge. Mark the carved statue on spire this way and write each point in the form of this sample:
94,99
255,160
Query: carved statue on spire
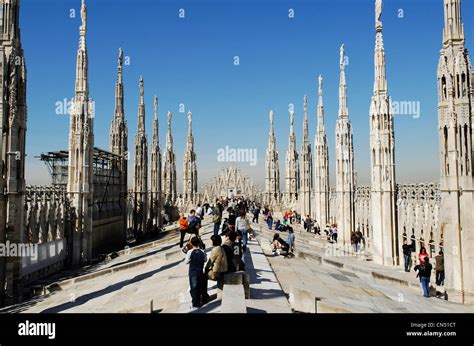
120,59
169,120
156,106
304,103
320,83
271,118
84,15
342,56
190,119
378,13
292,118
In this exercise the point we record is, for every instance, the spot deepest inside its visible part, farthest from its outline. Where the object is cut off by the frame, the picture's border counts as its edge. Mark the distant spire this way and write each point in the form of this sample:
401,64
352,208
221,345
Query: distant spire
343,111
292,137
141,108
155,120
271,134
453,31
305,120
119,108
169,137
320,105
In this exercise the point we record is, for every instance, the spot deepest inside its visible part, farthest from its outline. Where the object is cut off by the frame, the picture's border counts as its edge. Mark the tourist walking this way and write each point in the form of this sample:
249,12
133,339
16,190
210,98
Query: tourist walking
407,254
290,241
439,268
270,218
200,211
256,213
183,228
424,273
354,242
231,218
308,223
242,224
196,259
361,239
216,219
317,229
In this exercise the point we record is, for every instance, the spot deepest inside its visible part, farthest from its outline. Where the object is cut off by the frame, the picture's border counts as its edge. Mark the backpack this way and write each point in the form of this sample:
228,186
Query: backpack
215,216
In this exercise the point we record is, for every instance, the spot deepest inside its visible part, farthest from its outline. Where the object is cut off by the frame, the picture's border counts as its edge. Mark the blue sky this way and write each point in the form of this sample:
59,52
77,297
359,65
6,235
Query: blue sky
190,61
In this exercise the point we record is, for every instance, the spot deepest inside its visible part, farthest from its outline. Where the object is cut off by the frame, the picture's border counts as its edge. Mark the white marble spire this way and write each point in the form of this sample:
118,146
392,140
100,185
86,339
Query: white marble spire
140,179
321,165
156,160
272,172
385,248
345,180
119,138
306,167
189,166
292,168
169,168
81,146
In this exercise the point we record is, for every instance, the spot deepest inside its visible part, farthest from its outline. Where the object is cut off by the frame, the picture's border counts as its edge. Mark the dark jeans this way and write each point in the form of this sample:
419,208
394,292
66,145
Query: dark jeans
425,284
195,283
407,262
255,218
270,223
334,237
216,228
203,293
439,277
181,239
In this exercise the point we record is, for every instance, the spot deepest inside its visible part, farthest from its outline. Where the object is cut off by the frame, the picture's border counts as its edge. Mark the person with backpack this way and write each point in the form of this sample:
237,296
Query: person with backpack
183,228
196,259
216,219
424,273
